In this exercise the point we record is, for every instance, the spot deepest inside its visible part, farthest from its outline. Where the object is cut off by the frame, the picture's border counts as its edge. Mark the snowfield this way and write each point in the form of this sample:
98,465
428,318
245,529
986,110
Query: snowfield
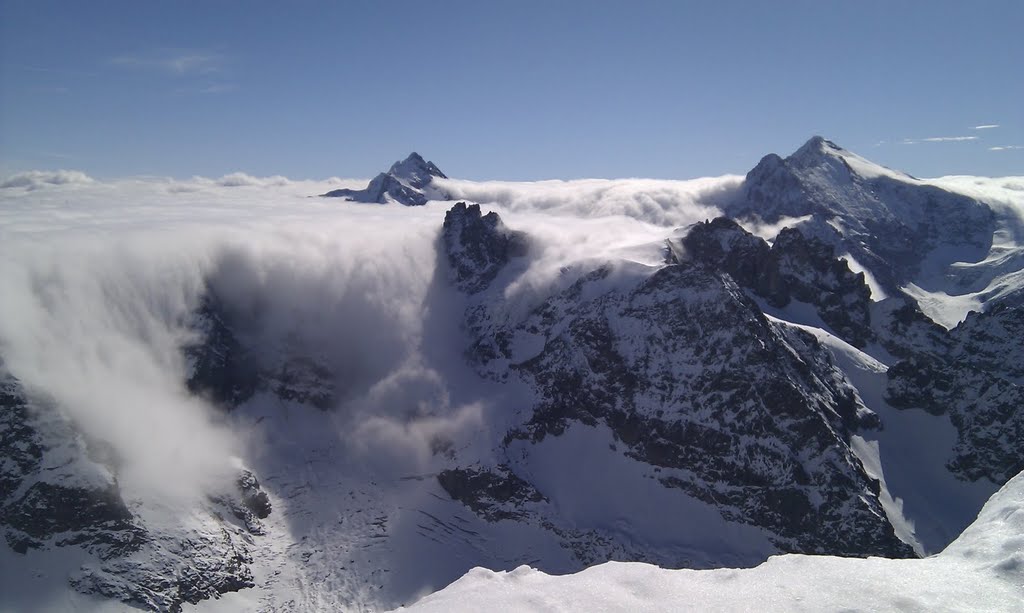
982,570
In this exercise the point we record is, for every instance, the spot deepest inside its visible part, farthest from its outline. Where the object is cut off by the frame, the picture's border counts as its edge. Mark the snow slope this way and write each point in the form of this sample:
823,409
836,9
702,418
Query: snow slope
982,570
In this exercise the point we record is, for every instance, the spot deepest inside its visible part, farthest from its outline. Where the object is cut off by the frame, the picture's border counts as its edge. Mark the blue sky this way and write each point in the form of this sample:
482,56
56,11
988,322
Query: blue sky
496,90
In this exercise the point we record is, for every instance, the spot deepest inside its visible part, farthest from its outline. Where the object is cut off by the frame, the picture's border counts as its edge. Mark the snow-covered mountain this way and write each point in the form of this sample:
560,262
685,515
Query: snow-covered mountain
407,182
894,225
366,403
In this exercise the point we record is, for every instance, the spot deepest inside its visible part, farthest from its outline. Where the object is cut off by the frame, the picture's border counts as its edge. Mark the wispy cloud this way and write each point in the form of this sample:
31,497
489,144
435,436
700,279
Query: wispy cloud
206,89
948,139
178,63
987,126
218,88
937,139
1005,148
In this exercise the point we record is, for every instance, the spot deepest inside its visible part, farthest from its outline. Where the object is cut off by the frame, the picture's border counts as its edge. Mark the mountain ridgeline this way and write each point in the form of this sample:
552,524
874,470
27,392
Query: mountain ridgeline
741,399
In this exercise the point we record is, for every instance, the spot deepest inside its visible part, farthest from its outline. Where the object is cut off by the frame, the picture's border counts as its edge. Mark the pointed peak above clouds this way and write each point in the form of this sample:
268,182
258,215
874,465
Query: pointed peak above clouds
818,151
888,220
821,154
416,171
406,182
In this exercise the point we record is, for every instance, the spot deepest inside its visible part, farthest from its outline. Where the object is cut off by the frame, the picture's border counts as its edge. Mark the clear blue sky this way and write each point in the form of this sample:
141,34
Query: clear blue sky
501,90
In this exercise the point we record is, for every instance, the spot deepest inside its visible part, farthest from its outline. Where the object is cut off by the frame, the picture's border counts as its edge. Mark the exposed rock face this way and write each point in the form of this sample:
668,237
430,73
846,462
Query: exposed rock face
977,378
795,267
478,246
690,376
406,182
493,494
225,368
748,259
219,368
904,330
77,502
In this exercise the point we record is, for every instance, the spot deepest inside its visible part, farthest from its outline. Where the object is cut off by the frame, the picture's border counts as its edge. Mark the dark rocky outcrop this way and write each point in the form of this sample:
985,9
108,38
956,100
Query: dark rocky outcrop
795,267
493,494
478,246
689,375
976,377
224,368
39,503
219,367
79,503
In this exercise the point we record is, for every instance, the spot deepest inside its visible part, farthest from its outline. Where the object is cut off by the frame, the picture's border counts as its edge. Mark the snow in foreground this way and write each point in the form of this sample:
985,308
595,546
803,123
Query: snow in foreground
983,570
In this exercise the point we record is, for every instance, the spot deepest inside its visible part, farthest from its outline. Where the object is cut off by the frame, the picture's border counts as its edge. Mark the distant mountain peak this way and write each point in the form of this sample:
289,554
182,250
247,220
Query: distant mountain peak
415,171
885,219
406,182
816,149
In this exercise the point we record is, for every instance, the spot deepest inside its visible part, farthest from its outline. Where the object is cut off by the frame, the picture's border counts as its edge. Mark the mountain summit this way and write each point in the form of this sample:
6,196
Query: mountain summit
889,221
406,182
415,171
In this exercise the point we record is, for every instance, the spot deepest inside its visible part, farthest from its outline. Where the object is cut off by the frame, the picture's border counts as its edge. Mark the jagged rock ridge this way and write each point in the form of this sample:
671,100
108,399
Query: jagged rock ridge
794,267
975,376
689,376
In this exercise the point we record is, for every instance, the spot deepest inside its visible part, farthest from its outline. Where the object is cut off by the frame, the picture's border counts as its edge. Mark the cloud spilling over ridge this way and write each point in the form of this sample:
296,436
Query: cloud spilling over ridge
101,280
659,202
1004,194
92,326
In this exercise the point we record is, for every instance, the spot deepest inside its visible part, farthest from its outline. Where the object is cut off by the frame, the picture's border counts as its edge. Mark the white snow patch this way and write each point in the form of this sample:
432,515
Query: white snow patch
983,570
877,293
942,308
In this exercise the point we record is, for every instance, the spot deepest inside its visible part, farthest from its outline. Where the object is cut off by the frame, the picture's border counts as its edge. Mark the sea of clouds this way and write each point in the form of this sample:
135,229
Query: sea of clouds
101,279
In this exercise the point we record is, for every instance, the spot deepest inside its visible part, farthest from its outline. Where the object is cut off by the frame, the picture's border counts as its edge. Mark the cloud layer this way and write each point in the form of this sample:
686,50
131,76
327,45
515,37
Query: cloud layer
175,62
36,179
101,280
